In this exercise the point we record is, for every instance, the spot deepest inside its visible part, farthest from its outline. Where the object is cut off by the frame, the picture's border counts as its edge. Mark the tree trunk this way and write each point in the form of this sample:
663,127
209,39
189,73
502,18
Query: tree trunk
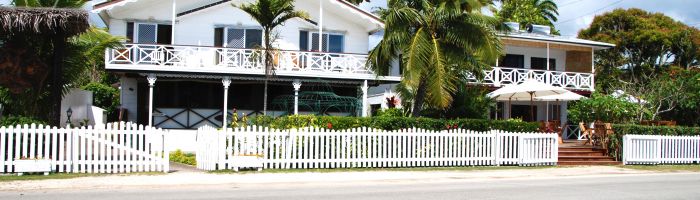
268,67
419,98
59,42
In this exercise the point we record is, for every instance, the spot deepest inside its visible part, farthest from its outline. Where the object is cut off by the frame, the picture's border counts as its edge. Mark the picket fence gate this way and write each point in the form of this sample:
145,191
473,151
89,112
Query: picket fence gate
657,149
111,148
366,147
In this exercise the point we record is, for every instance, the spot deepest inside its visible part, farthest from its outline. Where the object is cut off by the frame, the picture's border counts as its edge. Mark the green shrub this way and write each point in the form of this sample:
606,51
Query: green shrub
615,144
106,97
392,123
185,158
19,120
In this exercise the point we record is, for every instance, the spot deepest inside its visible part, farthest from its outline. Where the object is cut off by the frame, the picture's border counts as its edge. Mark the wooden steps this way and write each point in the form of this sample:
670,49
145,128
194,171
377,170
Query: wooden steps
576,153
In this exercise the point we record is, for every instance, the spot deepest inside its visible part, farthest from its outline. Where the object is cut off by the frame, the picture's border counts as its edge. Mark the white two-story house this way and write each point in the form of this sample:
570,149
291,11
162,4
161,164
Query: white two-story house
186,61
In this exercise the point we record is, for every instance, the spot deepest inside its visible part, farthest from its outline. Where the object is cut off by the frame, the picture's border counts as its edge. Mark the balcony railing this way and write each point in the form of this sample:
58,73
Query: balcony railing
501,76
180,58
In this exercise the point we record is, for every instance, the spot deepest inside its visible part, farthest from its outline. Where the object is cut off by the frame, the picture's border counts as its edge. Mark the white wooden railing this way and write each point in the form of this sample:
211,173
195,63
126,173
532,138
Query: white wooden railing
364,147
180,58
112,148
501,76
656,149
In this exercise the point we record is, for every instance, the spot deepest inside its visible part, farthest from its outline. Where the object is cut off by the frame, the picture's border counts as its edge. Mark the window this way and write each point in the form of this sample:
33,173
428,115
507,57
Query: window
147,33
332,42
540,63
247,38
512,61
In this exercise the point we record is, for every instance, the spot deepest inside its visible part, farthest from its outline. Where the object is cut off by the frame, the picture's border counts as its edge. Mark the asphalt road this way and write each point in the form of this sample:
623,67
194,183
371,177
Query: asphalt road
668,186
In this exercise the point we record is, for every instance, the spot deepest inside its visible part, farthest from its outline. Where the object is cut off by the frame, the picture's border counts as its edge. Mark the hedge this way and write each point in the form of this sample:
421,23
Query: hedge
19,120
623,129
393,123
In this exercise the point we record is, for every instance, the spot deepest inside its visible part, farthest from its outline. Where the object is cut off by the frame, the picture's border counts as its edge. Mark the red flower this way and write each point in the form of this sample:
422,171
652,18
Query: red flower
454,126
447,126
329,125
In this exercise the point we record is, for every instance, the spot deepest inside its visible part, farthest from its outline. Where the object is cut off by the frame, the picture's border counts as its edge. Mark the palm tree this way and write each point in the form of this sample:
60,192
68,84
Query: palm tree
438,41
525,12
89,49
270,14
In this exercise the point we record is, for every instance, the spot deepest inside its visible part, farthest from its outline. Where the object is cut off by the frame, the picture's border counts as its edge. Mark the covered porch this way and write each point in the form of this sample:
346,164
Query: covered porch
178,101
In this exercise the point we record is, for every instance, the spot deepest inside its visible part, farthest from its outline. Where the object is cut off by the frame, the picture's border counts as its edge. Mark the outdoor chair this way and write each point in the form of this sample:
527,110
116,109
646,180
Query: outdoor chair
585,132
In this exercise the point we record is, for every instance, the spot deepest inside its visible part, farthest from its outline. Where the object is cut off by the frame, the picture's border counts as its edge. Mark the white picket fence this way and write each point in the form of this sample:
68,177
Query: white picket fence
111,148
657,149
365,147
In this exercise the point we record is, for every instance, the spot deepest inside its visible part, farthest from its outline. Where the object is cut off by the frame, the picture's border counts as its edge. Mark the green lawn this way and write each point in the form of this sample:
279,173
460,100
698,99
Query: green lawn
665,168
27,177
417,169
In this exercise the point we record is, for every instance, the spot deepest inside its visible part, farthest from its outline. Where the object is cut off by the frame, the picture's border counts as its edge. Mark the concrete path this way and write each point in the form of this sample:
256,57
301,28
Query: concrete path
190,178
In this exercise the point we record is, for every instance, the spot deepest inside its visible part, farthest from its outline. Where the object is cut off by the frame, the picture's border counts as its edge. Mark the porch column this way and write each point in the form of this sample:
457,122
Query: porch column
320,26
365,87
226,82
297,86
151,82
592,69
174,12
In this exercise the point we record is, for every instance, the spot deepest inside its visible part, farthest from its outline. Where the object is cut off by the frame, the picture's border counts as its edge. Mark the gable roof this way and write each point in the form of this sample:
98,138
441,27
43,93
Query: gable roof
107,5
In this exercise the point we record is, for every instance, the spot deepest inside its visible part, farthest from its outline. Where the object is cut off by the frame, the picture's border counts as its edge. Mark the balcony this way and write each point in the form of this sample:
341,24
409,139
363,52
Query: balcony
230,61
501,76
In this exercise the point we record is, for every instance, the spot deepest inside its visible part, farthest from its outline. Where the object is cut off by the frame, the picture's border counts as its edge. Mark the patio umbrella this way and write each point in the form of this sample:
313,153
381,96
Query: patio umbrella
566,96
528,89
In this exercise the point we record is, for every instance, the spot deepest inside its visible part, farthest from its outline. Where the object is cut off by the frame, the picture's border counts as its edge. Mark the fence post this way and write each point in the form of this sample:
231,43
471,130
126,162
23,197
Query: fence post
166,153
497,146
658,149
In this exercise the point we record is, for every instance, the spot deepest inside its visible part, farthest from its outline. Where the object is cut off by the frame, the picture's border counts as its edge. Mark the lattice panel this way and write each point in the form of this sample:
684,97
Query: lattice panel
147,33
235,38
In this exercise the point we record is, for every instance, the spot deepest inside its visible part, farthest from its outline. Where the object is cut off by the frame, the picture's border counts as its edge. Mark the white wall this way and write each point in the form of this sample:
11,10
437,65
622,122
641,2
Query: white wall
129,98
529,52
80,103
198,28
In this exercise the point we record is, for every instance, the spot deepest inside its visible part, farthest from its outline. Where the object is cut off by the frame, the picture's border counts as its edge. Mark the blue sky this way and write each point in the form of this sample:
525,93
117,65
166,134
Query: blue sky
577,14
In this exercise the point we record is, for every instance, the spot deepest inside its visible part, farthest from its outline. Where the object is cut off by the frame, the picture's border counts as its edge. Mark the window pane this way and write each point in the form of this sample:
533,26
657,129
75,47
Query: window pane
538,63
253,38
335,43
235,38
513,61
304,40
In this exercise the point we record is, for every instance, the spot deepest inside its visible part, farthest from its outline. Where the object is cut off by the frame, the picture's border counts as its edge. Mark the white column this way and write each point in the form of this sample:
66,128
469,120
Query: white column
174,17
151,82
320,26
548,57
226,82
297,86
592,69
365,87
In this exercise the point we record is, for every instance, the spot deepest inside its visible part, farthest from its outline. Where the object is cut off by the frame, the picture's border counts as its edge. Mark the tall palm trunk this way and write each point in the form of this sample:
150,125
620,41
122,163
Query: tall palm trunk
419,99
268,67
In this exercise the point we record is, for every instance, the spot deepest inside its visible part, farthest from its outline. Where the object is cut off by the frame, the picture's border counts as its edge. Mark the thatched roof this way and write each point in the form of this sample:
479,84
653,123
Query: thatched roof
22,20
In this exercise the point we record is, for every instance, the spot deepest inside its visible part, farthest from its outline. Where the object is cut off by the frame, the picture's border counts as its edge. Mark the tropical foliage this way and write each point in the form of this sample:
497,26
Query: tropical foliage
653,60
270,14
604,108
428,37
542,12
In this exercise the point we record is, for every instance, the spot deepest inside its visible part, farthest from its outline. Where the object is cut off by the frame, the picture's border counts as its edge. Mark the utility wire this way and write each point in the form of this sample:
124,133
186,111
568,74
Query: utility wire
598,10
569,3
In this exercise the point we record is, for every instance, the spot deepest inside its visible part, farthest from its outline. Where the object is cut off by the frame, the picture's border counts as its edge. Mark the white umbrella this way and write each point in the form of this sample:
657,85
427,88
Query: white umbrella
567,96
528,89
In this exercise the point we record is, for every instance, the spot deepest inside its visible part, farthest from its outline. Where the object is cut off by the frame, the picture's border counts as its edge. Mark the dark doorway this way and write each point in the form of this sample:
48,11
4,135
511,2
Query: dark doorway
523,112
540,63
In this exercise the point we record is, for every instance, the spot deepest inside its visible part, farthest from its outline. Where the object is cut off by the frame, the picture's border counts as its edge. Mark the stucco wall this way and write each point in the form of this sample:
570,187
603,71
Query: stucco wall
198,28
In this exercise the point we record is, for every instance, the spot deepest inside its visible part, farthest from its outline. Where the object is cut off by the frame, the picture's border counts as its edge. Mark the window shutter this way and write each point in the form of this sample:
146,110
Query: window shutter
219,37
130,31
303,40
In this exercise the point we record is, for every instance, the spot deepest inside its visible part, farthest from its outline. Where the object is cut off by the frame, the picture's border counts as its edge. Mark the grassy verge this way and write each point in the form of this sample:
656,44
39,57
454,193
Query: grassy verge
39,176
665,168
416,169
